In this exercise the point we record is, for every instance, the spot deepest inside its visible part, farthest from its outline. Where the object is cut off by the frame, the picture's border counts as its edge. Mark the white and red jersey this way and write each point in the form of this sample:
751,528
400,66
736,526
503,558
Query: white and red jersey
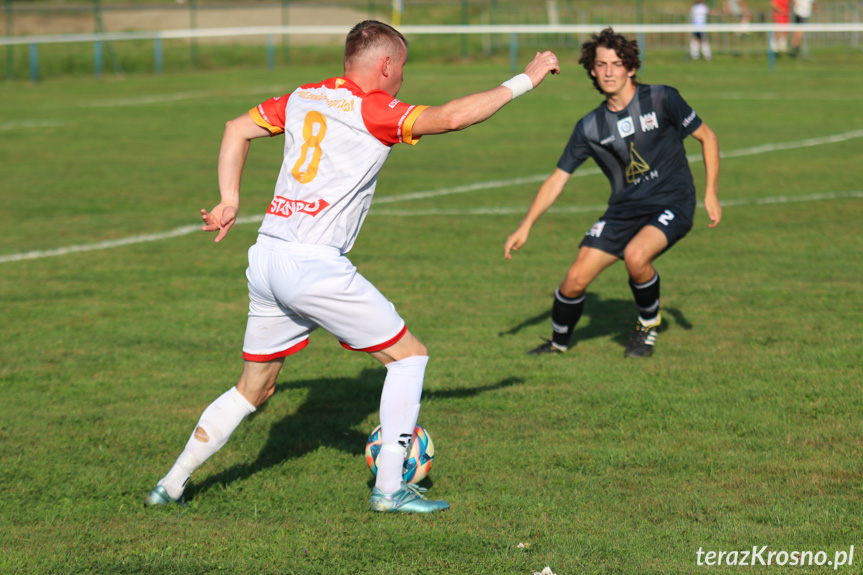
337,138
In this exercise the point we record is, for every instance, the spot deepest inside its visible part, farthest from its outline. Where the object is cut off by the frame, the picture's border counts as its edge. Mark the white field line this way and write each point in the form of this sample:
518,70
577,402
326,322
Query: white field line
178,97
601,207
185,230
763,149
28,124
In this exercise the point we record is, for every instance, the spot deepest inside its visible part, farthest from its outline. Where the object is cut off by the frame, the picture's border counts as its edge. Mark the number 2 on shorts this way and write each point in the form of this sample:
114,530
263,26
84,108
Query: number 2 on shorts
311,141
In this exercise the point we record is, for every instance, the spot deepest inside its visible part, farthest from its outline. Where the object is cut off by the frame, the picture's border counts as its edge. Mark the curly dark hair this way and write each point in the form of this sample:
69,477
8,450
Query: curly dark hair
626,50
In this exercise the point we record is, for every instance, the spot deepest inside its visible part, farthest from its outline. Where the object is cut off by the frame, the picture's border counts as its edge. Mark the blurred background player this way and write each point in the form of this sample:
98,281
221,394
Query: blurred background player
739,12
802,13
636,137
699,42
338,134
781,15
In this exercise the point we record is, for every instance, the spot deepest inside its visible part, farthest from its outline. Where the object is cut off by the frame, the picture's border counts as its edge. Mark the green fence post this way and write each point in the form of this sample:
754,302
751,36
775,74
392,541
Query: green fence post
493,21
193,24
285,37
34,62
513,53
464,20
771,55
99,28
97,58
158,57
10,59
271,52
639,17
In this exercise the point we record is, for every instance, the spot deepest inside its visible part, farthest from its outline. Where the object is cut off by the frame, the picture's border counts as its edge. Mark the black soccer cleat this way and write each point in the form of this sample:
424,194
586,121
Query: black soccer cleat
548,348
642,339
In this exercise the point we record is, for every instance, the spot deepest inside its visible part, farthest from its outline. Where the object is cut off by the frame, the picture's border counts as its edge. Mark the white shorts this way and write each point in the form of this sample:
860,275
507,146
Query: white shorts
296,288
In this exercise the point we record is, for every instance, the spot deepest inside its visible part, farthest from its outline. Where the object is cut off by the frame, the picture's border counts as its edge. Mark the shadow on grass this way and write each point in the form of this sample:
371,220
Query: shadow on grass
608,318
326,418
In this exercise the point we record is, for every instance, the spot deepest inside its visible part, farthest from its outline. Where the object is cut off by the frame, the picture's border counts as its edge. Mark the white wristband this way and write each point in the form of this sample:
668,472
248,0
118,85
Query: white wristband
519,85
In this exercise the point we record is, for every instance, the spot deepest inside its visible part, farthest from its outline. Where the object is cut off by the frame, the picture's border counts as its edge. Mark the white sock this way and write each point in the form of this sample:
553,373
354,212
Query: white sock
705,49
219,421
693,49
400,407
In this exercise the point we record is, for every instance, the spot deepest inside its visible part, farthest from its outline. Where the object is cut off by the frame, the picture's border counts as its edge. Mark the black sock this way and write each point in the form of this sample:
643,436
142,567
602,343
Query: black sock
646,297
565,313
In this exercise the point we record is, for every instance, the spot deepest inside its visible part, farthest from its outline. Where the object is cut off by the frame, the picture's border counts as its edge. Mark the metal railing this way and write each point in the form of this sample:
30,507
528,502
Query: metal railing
500,26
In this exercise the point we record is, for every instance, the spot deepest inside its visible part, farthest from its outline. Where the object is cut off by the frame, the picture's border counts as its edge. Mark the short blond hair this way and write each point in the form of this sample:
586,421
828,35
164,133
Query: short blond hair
371,34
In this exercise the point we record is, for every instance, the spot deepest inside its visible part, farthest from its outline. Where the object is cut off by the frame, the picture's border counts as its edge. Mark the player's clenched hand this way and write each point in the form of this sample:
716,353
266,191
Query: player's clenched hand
515,240
714,210
540,66
221,218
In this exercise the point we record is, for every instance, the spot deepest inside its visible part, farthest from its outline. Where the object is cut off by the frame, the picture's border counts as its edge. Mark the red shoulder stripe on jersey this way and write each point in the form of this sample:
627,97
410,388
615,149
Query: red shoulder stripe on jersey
386,118
258,118
378,347
271,356
270,115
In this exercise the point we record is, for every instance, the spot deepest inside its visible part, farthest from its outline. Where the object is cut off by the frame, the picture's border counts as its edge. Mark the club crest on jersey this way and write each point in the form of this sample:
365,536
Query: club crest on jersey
648,122
286,208
626,127
596,230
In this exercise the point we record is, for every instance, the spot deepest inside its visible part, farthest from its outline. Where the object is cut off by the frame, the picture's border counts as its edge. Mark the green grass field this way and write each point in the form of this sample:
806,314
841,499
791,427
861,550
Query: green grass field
743,430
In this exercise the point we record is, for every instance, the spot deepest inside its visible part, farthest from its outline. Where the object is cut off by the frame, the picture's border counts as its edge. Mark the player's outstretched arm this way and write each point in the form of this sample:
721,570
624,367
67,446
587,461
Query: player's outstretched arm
236,140
462,112
545,197
710,152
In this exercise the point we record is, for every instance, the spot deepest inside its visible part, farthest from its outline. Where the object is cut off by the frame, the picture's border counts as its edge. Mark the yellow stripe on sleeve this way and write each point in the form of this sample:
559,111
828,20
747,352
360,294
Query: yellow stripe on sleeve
407,127
259,120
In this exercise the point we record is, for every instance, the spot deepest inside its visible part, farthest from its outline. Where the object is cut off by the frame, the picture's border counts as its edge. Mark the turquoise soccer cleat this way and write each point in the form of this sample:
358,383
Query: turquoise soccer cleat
158,497
408,499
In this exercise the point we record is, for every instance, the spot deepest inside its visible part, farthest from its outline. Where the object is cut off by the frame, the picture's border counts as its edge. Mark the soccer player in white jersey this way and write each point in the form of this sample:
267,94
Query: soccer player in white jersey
699,42
636,137
338,133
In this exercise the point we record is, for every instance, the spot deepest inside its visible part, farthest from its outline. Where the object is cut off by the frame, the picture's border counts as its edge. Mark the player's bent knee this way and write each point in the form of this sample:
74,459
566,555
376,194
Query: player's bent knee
573,286
407,346
570,292
414,348
636,259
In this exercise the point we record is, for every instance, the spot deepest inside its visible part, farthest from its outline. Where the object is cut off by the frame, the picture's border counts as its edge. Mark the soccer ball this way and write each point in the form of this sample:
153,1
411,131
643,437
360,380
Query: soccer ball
418,460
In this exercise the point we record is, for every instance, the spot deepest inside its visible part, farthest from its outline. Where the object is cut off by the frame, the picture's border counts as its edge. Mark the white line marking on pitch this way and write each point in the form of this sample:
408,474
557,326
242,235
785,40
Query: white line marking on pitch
602,207
755,150
28,124
185,230
175,97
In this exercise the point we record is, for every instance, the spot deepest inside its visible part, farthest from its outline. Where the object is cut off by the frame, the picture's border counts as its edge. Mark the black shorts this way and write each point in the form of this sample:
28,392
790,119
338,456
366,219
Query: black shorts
612,234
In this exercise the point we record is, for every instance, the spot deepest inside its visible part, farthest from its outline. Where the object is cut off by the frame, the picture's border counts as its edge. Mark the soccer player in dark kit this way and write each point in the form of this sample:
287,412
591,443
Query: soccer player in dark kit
636,137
